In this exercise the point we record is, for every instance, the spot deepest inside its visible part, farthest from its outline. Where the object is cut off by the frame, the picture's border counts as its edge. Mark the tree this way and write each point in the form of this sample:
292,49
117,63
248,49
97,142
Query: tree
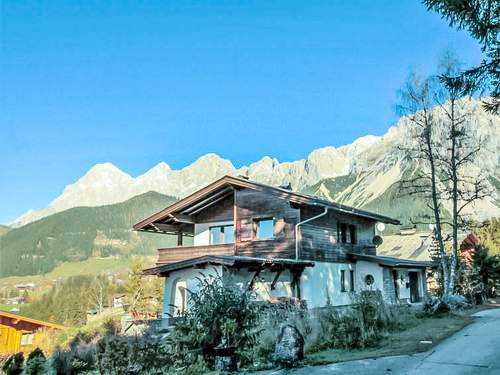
446,148
417,101
482,19
143,294
480,275
98,294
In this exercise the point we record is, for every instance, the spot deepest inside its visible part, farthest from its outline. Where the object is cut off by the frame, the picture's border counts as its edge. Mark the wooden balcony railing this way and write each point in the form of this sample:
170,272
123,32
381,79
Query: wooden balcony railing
176,254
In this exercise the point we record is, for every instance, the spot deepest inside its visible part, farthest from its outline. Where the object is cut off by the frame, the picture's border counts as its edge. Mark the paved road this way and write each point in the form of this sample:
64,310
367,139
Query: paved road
474,350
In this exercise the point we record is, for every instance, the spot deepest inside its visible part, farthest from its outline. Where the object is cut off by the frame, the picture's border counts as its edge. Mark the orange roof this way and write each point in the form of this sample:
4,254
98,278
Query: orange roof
30,320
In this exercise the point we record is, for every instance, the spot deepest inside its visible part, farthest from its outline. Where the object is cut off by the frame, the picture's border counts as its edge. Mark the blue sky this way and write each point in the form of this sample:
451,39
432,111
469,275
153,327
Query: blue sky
135,83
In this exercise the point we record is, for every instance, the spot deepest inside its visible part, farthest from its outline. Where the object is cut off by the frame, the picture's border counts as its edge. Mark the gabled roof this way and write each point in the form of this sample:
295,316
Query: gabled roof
230,261
225,186
20,318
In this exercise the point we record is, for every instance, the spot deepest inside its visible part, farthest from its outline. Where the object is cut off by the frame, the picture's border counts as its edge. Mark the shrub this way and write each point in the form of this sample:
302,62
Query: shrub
219,315
14,364
358,326
133,355
36,363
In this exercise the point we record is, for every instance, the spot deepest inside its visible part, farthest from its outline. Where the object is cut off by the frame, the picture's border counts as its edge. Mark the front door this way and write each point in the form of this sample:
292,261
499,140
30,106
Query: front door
395,279
414,293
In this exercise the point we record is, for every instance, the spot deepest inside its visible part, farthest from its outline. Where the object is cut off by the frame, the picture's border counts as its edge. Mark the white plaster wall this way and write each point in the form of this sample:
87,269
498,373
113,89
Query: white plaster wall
190,275
363,269
262,285
322,281
202,233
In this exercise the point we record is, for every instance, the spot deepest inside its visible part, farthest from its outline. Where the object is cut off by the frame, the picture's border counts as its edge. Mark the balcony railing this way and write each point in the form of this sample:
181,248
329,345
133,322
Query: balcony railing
176,254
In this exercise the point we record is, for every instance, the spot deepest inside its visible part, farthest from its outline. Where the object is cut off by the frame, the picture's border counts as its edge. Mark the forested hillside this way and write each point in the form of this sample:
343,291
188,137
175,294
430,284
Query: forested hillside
82,232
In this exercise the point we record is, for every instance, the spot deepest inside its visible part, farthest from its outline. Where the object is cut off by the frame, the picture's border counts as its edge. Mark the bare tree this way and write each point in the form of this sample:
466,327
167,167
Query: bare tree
445,146
458,151
417,102
98,295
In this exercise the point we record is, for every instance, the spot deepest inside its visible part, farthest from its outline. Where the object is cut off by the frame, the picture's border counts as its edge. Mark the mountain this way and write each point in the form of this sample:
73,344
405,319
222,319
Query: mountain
80,233
358,174
4,229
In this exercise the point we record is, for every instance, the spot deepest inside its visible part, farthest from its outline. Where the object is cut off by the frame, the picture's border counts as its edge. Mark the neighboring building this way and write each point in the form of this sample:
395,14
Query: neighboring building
414,246
282,244
118,301
22,334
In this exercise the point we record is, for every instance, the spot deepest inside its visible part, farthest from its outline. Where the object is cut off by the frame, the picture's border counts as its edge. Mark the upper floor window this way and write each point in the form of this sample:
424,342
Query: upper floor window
221,234
347,233
264,229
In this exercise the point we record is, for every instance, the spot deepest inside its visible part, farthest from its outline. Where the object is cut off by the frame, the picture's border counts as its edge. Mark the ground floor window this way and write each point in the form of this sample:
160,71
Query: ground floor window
179,297
351,281
27,339
342,281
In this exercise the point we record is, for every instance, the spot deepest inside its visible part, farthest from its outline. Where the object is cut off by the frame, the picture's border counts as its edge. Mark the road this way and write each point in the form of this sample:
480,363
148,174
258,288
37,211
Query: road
473,350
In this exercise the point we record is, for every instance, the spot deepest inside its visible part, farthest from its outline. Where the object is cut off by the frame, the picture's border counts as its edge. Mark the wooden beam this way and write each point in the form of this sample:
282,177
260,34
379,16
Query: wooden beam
180,218
167,228
250,286
273,284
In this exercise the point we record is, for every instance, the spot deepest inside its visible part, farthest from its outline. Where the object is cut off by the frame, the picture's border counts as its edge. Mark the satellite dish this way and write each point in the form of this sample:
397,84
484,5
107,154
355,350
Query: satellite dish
380,227
377,240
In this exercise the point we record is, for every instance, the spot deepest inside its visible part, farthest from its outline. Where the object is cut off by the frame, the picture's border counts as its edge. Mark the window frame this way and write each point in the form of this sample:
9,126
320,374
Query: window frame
351,281
256,228
342,281
222,238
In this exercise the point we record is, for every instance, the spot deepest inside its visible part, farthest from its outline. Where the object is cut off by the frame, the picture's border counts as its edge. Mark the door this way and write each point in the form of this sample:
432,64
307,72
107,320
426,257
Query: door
414,293
395,279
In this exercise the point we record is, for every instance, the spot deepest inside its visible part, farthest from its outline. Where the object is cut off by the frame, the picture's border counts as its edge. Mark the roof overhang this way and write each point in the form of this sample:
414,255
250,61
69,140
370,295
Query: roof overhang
229,261
172,218
19,318
391,261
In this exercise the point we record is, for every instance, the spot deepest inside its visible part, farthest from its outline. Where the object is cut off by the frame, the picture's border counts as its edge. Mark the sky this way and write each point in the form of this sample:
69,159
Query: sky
135,83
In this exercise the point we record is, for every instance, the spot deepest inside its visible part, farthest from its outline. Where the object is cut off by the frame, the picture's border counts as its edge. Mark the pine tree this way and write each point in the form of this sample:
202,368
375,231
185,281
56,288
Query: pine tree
481,18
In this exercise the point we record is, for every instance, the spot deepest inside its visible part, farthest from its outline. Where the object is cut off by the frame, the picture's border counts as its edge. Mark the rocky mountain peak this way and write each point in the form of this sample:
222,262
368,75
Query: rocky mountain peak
374,163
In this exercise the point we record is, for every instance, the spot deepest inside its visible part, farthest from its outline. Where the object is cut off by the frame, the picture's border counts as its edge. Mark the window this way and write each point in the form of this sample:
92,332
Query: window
342,281
351,281
347,233
369,280
352,234
27,339
264,229
221,234
343,233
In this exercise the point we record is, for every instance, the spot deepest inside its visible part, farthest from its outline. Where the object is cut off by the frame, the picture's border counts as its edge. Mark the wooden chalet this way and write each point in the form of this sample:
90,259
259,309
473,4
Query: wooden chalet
281,243
22,334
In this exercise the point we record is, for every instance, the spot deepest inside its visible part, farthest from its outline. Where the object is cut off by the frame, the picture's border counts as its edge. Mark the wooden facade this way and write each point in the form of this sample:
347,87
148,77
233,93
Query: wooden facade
322,239
22,334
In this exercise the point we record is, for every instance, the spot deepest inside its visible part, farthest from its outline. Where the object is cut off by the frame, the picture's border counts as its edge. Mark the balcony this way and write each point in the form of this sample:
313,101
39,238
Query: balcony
176,254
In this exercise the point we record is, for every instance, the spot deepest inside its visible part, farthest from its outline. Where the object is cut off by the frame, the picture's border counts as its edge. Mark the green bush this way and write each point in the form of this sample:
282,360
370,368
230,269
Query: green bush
14,364
36,364
361,325
219,315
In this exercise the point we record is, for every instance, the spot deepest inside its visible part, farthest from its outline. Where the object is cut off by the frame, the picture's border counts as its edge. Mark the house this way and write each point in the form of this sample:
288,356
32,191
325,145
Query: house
22,334
118,301
282,244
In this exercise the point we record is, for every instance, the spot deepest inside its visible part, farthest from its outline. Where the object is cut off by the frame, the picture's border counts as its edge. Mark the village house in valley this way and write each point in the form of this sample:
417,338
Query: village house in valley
283,244
22,334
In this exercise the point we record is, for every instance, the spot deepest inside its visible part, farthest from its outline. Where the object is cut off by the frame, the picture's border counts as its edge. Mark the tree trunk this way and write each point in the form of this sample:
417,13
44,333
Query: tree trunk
436,207
454,197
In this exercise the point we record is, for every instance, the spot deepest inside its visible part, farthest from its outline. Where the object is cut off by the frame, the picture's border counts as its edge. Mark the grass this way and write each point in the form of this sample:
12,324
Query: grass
406,341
